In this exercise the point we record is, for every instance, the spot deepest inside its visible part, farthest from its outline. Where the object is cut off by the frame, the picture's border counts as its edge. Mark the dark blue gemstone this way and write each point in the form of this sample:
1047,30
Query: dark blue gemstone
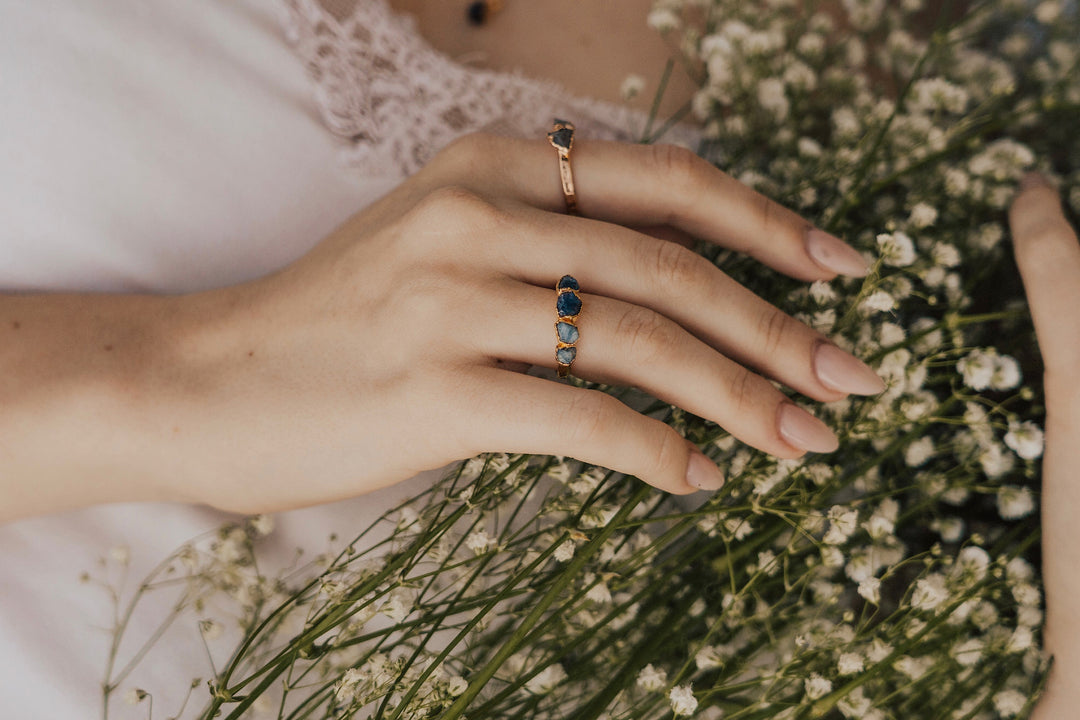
567,332
566,355
568,304
567,281
561,137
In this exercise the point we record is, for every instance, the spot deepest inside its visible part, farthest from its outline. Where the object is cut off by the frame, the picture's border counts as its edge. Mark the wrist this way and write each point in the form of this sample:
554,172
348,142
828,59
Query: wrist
81,375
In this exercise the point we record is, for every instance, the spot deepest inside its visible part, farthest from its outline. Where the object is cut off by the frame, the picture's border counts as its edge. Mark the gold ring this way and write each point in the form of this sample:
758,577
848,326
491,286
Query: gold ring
562,138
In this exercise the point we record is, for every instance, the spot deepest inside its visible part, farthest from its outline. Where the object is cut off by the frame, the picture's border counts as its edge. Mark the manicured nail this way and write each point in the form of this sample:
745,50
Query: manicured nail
701,472
804,431
834,254
845,373
1034,179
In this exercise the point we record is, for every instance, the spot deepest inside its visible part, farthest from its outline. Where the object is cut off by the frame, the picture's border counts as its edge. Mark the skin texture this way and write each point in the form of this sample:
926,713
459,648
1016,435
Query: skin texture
1048,255
588,47
395,345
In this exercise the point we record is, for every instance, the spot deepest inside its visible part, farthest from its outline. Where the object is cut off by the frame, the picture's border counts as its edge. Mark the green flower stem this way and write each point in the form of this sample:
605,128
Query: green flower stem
850,201
514,642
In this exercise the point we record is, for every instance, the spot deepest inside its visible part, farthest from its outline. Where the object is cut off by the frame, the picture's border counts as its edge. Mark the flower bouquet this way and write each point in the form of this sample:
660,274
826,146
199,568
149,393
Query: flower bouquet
895,578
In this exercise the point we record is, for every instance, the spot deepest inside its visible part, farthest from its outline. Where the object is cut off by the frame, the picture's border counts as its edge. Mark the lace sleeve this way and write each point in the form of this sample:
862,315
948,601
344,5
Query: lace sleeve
397,101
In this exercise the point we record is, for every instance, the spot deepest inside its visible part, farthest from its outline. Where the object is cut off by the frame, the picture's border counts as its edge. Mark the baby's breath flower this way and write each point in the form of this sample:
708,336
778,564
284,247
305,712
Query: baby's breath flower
1048,11
929,593
878,301
918,452
1014,502
651,679
546,680
855,705
822,292
631,87
977,368
120,554
968,652
708,657
849,663
897,249
479,542
456,685
663,20
870,590
1006,373
1009,702
817,686
210,629
772,97
1025,439
134,696
923,215
263,525
682,700
950,529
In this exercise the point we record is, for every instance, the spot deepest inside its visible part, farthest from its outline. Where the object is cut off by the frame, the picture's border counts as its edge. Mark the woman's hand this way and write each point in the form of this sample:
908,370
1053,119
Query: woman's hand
396,345
1048,255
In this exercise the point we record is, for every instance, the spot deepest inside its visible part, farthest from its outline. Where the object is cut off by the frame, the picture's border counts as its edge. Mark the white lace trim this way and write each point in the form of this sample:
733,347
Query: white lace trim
398,101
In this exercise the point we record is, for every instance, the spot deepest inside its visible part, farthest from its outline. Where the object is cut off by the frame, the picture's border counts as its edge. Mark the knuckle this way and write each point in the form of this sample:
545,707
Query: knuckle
589,416
676,268
746,388
773,327
457,207
646,334
675,162
671,452
681,170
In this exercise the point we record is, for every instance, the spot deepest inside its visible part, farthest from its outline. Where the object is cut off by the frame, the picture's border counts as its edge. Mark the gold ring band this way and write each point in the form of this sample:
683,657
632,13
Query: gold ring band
562,138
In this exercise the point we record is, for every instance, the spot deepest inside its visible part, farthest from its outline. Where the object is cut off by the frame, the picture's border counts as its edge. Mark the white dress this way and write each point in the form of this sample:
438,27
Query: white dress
160,146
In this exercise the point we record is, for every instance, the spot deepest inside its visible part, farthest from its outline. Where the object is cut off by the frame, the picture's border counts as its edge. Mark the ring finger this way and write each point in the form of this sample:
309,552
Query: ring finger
626,344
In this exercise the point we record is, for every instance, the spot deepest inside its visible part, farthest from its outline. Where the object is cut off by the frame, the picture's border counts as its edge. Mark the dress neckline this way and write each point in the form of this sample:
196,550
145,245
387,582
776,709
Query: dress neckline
396,100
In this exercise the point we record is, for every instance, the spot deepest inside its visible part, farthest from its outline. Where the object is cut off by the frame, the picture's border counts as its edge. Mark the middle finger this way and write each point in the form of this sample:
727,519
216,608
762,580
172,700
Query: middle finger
677,283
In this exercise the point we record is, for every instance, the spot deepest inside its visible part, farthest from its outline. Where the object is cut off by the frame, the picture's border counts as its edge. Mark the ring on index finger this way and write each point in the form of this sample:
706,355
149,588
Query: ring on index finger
562,138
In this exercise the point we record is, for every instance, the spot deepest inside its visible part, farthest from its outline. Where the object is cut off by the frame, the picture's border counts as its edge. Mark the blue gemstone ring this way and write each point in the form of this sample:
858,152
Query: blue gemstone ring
568,306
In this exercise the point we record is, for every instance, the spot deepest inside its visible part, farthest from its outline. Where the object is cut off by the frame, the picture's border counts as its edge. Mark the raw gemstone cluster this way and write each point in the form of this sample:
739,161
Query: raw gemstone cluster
568,305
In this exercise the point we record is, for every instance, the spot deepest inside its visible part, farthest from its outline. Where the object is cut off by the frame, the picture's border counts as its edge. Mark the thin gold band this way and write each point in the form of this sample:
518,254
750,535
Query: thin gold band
562,138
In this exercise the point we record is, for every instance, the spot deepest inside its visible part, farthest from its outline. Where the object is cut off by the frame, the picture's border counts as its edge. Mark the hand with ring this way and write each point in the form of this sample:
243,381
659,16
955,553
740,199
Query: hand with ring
397,344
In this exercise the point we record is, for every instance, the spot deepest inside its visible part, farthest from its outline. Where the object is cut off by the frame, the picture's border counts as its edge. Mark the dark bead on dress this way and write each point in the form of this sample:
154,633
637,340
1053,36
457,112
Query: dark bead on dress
477,12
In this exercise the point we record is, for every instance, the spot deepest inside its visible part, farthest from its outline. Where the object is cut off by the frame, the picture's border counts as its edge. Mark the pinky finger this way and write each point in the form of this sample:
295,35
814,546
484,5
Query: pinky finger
526,414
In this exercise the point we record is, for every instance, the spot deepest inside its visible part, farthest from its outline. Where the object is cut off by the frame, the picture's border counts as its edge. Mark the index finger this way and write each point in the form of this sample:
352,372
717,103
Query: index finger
1048,255
641,185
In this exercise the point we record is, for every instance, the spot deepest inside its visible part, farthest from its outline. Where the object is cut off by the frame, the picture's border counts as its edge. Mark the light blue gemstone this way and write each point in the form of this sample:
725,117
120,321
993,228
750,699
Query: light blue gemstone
566,355
568,304
568,281
567,332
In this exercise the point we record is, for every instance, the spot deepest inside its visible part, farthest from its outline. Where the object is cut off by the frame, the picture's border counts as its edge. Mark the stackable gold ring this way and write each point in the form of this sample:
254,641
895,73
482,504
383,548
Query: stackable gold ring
568,306
562,137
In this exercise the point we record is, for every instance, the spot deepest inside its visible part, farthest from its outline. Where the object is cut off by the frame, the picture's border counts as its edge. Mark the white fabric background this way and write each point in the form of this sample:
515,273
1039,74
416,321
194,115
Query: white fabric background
162,146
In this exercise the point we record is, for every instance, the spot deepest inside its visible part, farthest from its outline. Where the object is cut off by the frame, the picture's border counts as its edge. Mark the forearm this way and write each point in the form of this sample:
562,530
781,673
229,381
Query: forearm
77,376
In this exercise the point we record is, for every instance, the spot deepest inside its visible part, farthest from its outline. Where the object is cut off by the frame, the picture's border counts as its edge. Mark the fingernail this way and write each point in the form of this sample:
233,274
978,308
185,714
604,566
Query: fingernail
845,373
834,254
701,472
1033,179
804,431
